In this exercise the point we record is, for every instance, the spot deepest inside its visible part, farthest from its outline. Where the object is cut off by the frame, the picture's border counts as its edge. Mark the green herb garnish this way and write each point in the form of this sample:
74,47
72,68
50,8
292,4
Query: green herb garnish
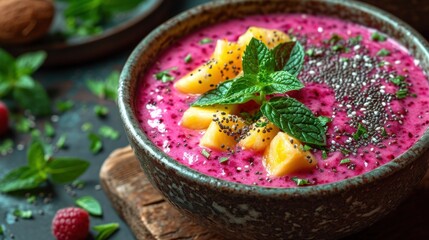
49,130
31,199
324,154
398,80
17,84
39,170
105,230
223,159
24,214
101,111
383,52
205,153
401,93
96,145
301,181
79,184
206,41
310,52
384,132
106,89
188,58
269,72
64,106
345,161
108,132
360,132
90,204
306,148
6,146
23,124
165,76
86,127
375,36
355,40
2,230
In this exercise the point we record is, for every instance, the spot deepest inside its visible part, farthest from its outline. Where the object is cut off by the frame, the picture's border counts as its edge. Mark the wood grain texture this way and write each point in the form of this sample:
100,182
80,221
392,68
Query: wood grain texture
151,217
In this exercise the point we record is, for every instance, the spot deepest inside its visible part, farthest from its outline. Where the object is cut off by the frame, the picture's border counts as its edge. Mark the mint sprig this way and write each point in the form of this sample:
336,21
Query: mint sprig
39,170
267,72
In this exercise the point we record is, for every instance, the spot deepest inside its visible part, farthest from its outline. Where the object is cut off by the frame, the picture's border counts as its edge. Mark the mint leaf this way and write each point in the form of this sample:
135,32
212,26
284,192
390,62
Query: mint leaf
63,170
49,130
108,132
22,178
383,52
105,230
289,57
281,82
36,156
206,41
360,132
28,63
95,143
101,111
107,88
377,37
61,142
90,204
24,214
301,181
64,106
34,99
257,58
165,75
6,146
295,119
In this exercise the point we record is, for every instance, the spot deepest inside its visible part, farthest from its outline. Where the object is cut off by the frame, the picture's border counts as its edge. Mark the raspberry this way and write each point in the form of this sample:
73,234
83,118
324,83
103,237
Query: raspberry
70,224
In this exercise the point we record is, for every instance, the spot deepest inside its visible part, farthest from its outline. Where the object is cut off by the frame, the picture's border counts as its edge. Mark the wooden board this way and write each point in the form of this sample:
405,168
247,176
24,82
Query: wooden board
151,217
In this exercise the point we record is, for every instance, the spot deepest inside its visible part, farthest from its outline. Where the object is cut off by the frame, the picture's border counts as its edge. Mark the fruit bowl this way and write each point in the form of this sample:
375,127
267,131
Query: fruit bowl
251,212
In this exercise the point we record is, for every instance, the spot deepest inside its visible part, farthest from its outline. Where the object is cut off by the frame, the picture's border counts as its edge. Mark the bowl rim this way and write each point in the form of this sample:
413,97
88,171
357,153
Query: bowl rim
137,135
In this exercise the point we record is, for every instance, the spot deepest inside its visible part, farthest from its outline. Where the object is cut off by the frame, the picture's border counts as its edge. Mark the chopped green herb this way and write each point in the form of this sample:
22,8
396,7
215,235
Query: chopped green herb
300,181
378,37
223,159
108,132
205,153
49,130
335,38
165,76
107,88
324,154
24,214
360,132
31,199
61,142
310,52
206,41
269,72
401,93
23,125
383,52
35,133
345,151
105,230
79,184
338,48
101,111
344,59
306,148
96,145
90,204
355,40
64,106
384,132
345,161
188,58
86,127
398,80
6,146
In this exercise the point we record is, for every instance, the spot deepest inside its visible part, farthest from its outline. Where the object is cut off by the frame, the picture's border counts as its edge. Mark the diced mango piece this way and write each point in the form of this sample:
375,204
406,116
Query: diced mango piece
259,136
225,63
223,132
285,156
201,117
271,37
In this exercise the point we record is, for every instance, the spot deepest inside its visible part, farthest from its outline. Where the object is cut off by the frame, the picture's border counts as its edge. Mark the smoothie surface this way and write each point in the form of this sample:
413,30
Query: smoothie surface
351,75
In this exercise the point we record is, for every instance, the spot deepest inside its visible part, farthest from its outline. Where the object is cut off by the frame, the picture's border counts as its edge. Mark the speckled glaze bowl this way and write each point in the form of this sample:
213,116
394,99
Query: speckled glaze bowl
251,212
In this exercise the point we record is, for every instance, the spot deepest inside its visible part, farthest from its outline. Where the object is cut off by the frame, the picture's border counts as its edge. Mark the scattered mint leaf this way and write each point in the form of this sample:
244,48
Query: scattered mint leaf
375,36
360,132
345,152
295,119
96,145
61,142
261,123
6,146
355,40
63,170
101,111
90,204
105,230
335,38
86,127
64,106
384,132
345,161
188,58
24,214
107,89
324,154
165,75
108,132
310,52
23,125
49,130
398,80
205,153
401,93
31,199
79,184
338,48
383,52
206,40
300,181
22,178
223,159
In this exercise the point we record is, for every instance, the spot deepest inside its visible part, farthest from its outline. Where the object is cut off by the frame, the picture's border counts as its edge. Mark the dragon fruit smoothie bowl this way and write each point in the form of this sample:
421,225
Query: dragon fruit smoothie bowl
344,189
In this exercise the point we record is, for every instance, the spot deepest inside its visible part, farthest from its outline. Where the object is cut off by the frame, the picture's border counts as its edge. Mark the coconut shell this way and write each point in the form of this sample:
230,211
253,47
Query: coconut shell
24,21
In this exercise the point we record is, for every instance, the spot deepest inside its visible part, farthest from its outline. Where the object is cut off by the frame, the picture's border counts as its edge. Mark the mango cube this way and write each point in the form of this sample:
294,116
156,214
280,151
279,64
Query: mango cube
286,156
223,132
225,63
271,37
259,136
201,117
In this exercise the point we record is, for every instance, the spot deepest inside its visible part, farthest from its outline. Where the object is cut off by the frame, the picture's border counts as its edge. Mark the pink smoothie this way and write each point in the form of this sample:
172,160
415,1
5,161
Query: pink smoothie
347,80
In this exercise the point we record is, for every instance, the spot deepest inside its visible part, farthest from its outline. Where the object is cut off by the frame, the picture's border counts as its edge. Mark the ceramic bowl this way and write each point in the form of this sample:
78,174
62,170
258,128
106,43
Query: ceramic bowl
251,212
